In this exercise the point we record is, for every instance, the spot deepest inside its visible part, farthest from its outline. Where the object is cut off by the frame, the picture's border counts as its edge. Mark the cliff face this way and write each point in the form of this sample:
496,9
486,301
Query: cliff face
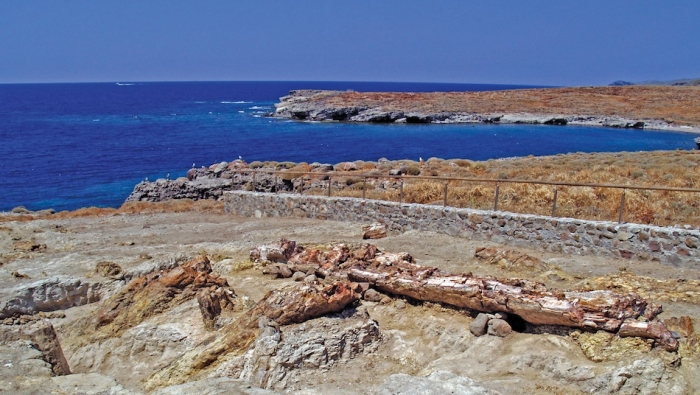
653,107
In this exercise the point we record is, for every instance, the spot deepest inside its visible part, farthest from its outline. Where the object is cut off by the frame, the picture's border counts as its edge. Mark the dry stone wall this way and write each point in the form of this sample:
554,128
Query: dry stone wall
674,246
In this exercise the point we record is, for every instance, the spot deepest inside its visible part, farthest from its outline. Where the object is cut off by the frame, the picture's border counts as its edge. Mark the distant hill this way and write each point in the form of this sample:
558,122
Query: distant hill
680,82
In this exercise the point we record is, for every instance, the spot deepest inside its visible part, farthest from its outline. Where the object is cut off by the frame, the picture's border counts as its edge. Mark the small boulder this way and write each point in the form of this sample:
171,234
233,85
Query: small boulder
311,278
372,295
374,231
478,326
499,327
285,272
298,276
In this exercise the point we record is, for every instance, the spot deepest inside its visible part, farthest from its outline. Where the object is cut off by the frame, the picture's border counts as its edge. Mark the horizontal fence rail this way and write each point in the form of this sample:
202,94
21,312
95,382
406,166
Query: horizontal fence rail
401,179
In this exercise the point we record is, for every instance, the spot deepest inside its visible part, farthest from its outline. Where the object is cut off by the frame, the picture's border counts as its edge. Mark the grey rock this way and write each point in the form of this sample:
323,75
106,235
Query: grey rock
285,271
310,278
372,295
277,358
298,276
643,377
479,325
499,327
54,293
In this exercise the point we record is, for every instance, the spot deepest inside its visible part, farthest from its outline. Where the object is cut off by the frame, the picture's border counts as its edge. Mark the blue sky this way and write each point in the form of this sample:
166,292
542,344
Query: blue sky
499,41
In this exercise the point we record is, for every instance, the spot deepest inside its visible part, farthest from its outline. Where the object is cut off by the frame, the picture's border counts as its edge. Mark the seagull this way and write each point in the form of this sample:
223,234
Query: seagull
240,157
193,165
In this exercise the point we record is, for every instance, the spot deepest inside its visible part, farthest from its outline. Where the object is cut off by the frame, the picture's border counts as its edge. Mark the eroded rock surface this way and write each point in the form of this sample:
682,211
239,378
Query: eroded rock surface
281,356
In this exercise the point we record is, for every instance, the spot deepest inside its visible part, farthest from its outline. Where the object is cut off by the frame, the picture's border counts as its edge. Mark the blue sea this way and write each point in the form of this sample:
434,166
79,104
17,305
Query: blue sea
66,146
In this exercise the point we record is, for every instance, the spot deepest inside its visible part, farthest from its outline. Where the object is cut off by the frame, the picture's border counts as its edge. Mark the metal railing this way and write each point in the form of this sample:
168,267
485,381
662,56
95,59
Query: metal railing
497,181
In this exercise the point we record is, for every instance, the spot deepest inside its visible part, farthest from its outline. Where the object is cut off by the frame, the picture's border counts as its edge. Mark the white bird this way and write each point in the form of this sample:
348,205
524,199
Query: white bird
240,157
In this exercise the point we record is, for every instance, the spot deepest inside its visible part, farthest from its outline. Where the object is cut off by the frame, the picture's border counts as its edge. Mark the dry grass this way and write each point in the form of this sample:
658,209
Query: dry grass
657,168
170,206
677,104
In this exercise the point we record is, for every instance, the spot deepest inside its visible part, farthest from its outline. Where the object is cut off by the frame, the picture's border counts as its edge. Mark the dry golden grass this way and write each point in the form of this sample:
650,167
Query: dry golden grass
657,168
170,206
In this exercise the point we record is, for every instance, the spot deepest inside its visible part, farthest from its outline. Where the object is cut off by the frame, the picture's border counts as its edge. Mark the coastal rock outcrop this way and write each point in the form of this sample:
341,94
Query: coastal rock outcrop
575,106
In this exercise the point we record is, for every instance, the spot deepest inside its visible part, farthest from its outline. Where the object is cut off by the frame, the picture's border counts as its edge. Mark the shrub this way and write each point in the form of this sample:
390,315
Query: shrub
352,180
286,165
256,164
413,171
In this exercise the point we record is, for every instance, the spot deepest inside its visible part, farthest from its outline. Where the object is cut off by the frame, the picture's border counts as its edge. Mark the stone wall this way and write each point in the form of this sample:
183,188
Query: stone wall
675,246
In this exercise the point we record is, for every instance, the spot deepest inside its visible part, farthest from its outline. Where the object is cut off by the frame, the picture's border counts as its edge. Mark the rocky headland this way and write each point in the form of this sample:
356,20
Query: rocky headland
641,107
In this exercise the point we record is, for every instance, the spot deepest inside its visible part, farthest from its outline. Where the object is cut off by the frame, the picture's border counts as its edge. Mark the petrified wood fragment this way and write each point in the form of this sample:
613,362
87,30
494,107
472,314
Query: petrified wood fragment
156,292
530,300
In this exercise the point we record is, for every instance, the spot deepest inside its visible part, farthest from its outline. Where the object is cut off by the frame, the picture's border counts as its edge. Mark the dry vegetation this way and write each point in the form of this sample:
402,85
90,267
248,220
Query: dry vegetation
675,104
677,169
171,206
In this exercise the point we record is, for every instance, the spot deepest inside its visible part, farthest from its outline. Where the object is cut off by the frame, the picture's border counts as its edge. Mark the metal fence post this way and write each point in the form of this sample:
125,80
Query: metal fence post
330,179
554,205
444,201
254,180
301,185
364,187
276,183
495,199
622,206
401,192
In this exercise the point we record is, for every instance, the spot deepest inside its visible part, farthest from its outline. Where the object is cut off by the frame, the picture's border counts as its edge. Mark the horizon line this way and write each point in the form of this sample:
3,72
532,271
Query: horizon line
312,81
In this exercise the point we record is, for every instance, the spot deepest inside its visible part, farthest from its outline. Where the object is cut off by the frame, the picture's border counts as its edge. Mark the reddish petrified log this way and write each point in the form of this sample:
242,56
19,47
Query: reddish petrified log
530,300
156,292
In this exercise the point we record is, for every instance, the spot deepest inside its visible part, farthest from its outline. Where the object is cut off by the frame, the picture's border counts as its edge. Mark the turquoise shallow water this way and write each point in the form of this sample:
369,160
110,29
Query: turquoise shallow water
67,146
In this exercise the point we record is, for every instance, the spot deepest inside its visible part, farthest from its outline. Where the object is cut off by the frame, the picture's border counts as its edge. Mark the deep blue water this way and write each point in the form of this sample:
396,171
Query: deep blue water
67,146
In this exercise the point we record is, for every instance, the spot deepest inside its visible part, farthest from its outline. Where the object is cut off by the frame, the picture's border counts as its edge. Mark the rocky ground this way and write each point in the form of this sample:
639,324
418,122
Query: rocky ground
650,107
170,303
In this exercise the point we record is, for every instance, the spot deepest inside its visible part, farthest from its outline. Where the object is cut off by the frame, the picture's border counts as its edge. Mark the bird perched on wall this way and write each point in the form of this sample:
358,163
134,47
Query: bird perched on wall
420,159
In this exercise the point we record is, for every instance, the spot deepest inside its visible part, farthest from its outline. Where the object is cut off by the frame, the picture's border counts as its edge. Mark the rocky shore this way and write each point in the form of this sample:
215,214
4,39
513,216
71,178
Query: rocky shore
659,108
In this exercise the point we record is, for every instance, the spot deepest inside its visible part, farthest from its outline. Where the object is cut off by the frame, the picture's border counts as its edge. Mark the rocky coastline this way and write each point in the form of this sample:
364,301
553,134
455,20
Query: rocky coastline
556,107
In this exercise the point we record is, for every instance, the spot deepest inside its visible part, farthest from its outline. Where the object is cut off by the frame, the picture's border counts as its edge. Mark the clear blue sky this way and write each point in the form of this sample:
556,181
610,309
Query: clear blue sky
555,42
